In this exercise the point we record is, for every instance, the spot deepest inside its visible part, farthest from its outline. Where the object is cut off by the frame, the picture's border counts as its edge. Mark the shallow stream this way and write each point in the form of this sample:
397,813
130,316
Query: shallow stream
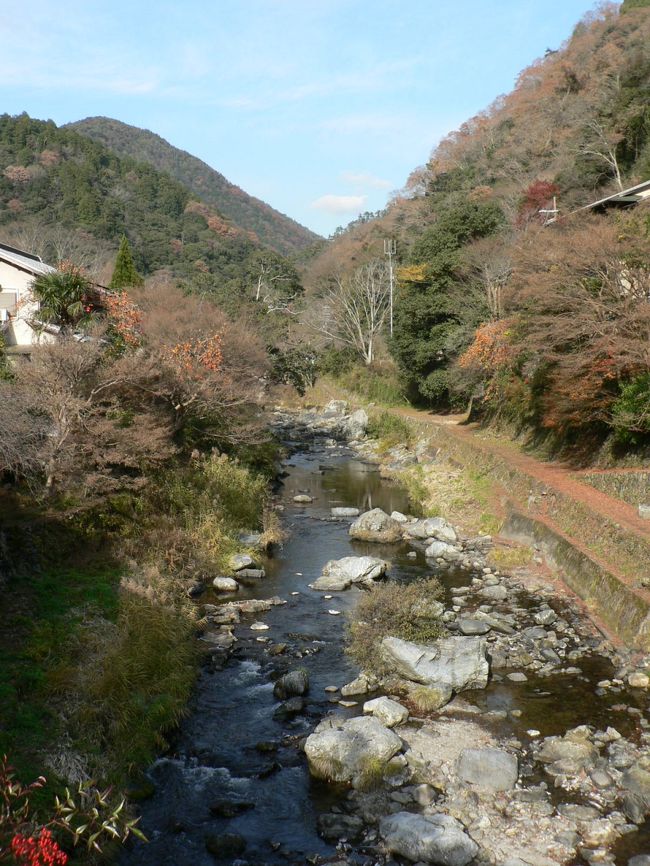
232,749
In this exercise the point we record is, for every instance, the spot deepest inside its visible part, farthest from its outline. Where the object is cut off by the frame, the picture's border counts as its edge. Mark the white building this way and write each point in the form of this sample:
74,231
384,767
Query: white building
19,325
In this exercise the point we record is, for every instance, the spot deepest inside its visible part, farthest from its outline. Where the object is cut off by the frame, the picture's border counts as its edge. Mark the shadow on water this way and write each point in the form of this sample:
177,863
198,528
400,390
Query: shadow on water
231,749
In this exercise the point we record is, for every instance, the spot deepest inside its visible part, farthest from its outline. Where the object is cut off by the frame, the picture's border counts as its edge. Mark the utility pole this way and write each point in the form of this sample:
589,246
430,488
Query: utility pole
390,248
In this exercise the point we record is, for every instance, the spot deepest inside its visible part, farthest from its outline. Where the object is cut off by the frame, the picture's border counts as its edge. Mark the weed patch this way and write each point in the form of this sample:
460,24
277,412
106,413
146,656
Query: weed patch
410,611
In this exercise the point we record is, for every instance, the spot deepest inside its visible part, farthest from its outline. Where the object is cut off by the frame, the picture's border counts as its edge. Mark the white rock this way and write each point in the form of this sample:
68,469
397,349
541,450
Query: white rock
303,499
225,584
438,839
457,662
389,712
344,512
339,574
488,768
259,626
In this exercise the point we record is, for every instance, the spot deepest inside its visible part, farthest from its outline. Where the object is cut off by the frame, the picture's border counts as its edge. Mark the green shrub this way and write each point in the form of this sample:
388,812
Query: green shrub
390,429
406,610
631,411
375,384
335,362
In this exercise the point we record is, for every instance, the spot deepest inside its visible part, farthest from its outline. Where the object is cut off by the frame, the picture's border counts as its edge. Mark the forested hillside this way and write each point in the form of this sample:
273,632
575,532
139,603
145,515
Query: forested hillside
492,302
268,225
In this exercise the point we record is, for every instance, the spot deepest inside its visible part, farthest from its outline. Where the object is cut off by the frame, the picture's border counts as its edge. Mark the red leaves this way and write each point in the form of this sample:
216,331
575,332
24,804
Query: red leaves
37,851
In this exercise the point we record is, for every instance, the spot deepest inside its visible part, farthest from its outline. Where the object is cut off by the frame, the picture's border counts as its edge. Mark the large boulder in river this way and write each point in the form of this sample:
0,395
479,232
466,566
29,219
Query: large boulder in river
438,839
291,685
455,662
431,527
339,574
355,426
347,751
376,526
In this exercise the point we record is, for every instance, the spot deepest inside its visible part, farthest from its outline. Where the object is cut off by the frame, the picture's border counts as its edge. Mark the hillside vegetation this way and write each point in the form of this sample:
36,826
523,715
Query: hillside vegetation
545,324
266,225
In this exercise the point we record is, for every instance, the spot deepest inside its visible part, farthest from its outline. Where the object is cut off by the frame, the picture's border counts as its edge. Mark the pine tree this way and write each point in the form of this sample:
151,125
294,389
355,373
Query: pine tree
125,274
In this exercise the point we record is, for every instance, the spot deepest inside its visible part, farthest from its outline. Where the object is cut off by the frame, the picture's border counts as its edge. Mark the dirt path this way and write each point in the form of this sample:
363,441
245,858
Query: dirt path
554,476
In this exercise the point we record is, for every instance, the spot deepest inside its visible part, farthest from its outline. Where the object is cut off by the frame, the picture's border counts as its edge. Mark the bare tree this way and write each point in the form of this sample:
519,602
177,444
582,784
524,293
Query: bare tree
601,145
489,262
356,308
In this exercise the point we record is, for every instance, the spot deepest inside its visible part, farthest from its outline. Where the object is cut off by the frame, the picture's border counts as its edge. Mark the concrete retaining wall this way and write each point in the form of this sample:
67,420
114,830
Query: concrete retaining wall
624,611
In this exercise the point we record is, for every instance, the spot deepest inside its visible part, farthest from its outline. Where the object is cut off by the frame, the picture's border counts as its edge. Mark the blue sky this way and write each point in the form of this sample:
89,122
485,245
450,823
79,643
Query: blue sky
319,107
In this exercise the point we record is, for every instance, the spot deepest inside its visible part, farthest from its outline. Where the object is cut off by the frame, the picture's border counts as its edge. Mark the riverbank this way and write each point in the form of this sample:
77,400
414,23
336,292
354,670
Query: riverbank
98,647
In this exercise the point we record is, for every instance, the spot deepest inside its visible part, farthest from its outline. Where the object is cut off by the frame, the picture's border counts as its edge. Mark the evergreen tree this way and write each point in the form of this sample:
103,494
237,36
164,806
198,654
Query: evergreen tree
125,274
634,4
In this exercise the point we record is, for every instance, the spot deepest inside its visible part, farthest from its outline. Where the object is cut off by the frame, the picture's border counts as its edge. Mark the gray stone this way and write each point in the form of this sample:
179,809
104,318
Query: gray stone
251,573
241,560
546,616
496,623
291,684
494,593
636,793
339,574
456,662
488,768
376,526
517,677
442,550
644,512
431,527
473,626
437,839
332,826
340,511
356,425
303,499
358,686
389,712
399,517
343,751
639,860
225,584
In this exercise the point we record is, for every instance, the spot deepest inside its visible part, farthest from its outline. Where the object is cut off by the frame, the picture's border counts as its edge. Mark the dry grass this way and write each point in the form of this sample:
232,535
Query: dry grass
506,558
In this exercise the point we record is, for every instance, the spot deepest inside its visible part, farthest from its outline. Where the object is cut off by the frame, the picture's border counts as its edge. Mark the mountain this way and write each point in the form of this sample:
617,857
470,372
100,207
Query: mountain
54,181
475,247
272,228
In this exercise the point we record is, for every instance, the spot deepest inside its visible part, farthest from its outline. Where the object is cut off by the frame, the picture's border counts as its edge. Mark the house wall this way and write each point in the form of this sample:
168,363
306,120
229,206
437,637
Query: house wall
17,331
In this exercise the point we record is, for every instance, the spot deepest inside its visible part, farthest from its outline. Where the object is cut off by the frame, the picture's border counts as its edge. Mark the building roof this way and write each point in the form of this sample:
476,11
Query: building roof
632,195
24,261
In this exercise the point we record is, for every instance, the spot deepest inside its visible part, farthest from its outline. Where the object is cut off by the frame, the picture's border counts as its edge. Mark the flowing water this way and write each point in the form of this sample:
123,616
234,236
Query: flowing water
232,749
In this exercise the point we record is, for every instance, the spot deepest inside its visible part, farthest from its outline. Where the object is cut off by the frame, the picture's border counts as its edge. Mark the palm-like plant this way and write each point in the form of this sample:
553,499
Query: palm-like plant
62,296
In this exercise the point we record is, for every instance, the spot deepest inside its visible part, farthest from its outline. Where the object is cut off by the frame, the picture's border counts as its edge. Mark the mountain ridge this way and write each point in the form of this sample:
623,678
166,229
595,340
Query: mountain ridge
272,228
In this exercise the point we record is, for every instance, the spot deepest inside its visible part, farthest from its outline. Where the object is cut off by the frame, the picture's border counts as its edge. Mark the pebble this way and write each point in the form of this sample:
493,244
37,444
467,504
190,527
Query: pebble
517,677
331,689
259,626
334,612
639,680
348,704
533,732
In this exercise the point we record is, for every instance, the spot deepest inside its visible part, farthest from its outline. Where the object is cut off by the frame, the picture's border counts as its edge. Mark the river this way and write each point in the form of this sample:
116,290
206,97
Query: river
232,750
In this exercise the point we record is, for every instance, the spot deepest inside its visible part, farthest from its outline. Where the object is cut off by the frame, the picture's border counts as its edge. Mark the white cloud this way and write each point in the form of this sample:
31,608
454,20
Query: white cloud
339,204
364,179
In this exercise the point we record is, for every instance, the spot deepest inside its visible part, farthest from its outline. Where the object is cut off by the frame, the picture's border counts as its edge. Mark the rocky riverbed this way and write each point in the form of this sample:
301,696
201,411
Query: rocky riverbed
521,738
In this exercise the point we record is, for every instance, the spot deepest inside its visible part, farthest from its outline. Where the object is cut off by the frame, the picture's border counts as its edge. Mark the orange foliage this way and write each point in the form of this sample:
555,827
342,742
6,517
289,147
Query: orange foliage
491,352
125,317
195,357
